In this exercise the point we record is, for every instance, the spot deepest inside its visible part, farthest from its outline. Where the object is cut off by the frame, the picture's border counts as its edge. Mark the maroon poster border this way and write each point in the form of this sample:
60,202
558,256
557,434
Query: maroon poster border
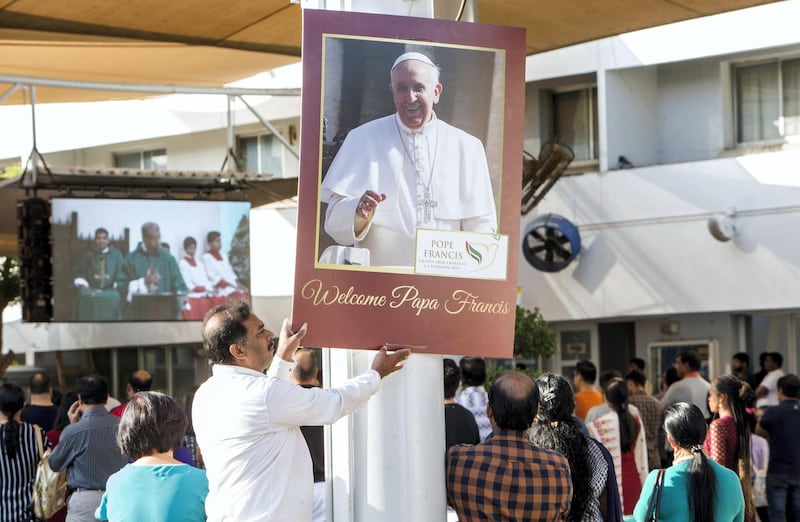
348,308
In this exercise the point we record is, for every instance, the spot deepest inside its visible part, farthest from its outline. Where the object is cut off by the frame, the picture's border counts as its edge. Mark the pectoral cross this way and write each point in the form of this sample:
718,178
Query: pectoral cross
427,203
100,278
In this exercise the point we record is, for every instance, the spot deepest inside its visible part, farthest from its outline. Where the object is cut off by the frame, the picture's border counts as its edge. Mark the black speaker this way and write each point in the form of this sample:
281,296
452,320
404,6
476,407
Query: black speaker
35,254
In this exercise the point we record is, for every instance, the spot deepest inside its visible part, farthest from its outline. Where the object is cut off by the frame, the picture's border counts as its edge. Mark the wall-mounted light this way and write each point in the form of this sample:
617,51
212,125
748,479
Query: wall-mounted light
670,327
722,226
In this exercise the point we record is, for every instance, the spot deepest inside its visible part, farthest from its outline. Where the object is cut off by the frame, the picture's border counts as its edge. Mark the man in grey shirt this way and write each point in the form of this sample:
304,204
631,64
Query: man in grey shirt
88,447
692,388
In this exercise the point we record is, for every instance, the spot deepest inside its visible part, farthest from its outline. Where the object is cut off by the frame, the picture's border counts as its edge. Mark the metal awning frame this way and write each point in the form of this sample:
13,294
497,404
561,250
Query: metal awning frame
123,180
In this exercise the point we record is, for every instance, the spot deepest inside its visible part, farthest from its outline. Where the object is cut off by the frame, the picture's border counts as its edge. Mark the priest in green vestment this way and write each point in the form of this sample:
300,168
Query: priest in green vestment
97,275
156,290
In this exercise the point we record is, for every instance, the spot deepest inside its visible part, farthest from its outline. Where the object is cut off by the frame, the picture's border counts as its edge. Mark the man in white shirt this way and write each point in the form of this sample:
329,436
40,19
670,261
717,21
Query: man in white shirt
407,171
767,391
248,424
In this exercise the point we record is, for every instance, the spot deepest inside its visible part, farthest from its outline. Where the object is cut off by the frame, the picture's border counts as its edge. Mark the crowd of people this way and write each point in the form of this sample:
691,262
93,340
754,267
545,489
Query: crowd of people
248,443
703,451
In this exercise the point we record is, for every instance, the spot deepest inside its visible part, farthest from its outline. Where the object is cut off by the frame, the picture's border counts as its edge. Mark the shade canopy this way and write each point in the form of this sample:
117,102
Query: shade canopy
213,42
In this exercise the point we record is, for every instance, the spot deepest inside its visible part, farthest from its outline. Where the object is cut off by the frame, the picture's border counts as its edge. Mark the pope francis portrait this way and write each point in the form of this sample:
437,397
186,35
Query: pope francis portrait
407,171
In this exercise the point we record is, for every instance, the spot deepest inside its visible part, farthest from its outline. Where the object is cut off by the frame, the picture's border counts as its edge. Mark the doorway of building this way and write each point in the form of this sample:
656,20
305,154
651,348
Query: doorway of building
617,345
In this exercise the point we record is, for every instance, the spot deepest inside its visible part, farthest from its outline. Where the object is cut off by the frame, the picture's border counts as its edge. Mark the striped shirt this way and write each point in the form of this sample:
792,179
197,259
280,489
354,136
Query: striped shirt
89,448
508,478
17,474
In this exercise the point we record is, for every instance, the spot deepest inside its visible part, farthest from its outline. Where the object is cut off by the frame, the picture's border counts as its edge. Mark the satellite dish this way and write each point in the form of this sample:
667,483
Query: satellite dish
551,242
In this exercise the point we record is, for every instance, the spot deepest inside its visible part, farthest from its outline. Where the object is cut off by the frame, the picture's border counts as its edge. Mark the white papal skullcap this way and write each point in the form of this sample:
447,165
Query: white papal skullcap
411,56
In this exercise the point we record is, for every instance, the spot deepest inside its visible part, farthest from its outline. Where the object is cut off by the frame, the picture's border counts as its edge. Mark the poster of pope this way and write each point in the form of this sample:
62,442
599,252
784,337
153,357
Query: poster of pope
409,188
406,153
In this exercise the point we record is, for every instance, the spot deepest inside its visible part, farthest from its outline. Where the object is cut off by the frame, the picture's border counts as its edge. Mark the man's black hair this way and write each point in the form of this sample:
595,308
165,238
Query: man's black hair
636,377
691,358
223,327
40,383
671,376
605,377
452,377
789,385
138,383
776,357
473,371
587,370
742,357
92,389
638,362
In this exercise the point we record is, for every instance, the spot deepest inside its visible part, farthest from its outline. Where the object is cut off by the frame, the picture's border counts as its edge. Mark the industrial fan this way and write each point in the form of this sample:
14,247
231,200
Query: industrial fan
551,242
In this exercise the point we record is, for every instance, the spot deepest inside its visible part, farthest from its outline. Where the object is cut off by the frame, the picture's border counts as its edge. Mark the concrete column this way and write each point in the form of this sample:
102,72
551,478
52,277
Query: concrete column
386,462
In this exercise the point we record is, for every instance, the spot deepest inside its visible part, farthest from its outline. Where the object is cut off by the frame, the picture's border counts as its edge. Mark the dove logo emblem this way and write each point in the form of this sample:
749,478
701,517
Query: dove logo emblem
462,254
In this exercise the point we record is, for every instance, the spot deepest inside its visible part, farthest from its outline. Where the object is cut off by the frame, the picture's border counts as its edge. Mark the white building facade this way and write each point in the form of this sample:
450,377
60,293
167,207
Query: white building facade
674,127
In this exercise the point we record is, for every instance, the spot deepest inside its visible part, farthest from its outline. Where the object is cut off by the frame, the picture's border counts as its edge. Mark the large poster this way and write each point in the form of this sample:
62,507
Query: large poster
410,176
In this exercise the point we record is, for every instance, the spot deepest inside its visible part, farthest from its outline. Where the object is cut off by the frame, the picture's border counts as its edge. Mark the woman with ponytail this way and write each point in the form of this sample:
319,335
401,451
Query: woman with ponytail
19,455
728,439
555,429
712,491
621,432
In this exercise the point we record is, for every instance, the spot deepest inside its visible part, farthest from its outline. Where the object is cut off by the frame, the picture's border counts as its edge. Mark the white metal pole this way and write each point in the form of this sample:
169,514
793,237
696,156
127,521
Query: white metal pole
386,462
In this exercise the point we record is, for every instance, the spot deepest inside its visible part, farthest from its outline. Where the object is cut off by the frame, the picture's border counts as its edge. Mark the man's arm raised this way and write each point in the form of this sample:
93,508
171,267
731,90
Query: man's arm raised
384,363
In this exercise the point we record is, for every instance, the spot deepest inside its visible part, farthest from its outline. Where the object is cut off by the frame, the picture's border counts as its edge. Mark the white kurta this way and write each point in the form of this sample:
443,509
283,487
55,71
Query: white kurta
386,157
248,428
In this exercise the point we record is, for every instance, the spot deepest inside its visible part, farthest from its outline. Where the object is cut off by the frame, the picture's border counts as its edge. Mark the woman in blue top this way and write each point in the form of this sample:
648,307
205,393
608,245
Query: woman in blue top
154,487
696,489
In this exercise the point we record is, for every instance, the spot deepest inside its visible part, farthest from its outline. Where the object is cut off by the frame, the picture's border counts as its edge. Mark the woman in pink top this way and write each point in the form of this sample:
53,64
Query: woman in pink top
728,439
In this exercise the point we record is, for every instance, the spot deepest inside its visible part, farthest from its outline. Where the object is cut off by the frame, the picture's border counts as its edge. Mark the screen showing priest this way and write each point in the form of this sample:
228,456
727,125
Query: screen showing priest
410,170
121,260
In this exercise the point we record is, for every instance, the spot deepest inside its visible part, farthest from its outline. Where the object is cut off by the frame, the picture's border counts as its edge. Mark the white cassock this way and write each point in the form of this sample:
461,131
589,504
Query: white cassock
436,177
219,269
194,275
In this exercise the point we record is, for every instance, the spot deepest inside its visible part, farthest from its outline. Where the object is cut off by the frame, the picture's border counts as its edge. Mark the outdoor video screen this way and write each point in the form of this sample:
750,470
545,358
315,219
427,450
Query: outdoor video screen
147,260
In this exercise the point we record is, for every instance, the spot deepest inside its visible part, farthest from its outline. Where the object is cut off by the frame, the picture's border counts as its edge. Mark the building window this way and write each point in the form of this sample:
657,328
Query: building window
575,121
768,101
145,160
261,154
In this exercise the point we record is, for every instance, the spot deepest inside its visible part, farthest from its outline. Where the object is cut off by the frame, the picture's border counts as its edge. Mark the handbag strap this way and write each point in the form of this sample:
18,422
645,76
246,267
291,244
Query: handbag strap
38,431
654,505
660,489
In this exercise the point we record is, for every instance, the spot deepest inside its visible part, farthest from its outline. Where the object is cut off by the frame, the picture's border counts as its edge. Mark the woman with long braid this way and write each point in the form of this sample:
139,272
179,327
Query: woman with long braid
712,491
728,439
19,455
556,429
